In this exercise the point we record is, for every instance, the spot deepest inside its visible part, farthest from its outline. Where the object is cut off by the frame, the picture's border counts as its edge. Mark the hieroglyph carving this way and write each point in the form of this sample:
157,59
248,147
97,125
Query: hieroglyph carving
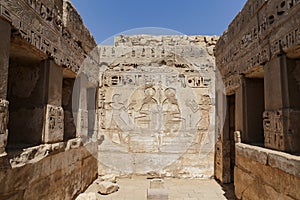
3,125
54,126
40,23
150,99
273,129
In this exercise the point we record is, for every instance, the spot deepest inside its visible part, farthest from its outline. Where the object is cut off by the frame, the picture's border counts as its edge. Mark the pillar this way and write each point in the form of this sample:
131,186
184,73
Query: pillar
54,115
282,105
80,108
5,32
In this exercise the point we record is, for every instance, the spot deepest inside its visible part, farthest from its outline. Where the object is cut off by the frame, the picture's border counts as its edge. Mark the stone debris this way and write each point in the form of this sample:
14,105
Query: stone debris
106,188
108,178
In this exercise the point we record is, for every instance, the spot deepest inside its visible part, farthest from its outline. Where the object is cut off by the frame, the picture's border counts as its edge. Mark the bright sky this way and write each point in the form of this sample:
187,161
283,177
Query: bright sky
106,18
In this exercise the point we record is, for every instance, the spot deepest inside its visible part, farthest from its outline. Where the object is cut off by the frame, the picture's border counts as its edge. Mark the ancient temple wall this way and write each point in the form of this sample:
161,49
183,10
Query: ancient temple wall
156,104
261,173
261,47
51,171
42,154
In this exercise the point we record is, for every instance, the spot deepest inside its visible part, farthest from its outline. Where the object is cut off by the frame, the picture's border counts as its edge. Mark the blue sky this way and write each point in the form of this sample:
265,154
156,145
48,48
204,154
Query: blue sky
105,18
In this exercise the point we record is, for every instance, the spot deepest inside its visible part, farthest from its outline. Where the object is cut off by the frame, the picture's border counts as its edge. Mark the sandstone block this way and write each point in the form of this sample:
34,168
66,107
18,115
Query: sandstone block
252,152
107,187
157,194
156,183
285,162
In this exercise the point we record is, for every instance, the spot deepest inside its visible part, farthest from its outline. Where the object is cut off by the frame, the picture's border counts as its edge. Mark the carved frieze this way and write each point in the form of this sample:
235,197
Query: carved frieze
258,33
40,23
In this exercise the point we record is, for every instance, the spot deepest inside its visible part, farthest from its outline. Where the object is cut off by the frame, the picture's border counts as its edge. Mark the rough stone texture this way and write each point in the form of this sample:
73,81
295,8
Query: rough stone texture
5,30
156,100
265,174
67,40
48,172
42,44
106,187
89,196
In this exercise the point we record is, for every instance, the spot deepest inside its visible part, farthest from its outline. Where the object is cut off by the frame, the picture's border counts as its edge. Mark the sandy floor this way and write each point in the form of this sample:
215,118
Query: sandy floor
183,189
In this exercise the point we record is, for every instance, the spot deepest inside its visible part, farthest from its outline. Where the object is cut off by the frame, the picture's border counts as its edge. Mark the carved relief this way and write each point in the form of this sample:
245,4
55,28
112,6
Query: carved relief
144,99
54,124
264,35
273,129
152,101
40,22
3,125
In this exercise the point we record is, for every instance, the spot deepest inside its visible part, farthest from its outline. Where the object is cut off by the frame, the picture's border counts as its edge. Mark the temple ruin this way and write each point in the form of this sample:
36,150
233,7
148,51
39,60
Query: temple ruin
258,58
167,106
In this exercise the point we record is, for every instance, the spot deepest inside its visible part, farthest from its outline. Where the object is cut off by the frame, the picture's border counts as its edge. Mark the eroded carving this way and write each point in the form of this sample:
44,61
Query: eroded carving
273,129
3,125
54,124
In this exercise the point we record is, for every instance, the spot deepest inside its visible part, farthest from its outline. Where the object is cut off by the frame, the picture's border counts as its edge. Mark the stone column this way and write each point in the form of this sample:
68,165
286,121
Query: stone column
240,111
5,32
54,115
80,106
282,105
249,107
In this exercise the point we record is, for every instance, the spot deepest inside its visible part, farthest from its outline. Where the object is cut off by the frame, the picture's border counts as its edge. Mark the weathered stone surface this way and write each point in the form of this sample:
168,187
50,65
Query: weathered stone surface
89,196
35,170
106,188
108,178
262,180
285,162
67,41
3,126
157,194
156,183
157,103
255,153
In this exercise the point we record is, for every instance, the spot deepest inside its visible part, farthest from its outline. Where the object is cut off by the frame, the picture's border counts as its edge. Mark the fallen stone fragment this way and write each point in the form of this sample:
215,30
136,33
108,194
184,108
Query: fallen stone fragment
108,178
107,187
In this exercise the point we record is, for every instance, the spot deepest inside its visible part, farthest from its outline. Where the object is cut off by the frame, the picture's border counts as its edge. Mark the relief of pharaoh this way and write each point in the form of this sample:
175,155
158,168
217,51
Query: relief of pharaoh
148,113
172,119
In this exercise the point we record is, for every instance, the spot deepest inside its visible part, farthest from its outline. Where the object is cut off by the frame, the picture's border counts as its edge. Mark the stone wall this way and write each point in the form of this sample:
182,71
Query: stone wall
266,174
53,171
258,58
156,104
43,155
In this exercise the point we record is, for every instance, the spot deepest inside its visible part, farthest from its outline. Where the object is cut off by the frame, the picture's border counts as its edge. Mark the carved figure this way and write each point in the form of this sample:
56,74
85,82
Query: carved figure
149,110
171,112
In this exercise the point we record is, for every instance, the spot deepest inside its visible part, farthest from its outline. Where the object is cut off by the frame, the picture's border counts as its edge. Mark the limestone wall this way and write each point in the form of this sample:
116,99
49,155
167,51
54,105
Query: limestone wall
54,171
156,104
265,174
